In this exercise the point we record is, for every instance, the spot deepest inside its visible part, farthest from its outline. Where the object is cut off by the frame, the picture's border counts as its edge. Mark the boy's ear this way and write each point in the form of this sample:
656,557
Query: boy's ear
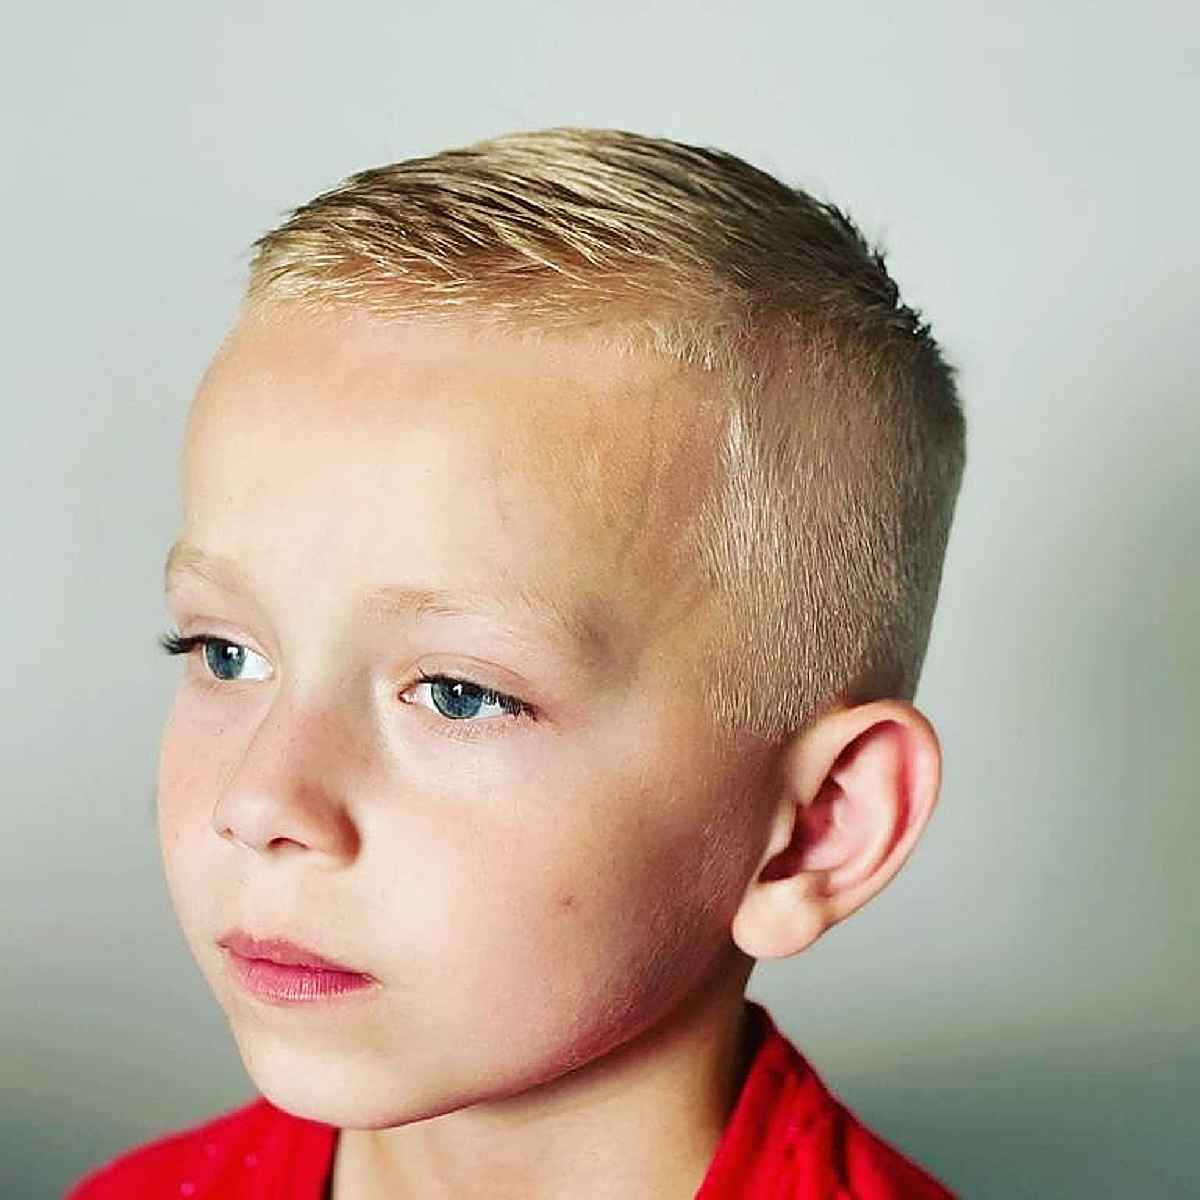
853,793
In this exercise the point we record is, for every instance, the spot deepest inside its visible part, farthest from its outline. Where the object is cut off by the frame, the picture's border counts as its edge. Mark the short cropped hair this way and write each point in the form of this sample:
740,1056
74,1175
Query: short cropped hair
844,443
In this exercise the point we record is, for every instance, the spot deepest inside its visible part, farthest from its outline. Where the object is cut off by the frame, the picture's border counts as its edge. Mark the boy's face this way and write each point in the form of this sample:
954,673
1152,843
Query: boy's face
529,893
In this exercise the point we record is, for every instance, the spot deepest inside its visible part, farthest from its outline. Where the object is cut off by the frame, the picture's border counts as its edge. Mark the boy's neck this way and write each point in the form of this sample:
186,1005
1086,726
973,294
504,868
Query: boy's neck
642,1122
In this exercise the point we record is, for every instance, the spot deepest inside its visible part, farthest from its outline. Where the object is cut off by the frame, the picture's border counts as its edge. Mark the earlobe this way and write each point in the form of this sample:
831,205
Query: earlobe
855,795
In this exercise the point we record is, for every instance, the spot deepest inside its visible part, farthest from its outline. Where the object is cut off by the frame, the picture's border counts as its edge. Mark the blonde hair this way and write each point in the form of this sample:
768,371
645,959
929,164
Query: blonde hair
844,446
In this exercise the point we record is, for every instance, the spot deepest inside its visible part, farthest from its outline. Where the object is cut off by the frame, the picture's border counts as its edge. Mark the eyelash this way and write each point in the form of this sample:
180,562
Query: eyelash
515,708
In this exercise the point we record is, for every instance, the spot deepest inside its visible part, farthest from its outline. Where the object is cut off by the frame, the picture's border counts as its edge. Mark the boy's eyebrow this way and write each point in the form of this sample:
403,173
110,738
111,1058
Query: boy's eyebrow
584,638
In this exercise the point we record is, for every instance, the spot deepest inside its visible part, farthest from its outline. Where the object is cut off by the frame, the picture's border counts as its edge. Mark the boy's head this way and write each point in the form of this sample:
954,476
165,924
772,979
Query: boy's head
639,443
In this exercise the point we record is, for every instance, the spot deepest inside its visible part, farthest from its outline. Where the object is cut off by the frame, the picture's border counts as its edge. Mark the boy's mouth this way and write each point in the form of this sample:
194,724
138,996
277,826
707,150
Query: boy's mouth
280,971
280,950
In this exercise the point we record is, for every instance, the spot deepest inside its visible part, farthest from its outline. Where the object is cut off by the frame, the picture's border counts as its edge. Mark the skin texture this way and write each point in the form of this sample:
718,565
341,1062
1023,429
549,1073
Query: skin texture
562,910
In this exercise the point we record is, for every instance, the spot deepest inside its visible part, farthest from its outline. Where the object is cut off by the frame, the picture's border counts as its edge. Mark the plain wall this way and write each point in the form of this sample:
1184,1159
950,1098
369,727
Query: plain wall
1018,1009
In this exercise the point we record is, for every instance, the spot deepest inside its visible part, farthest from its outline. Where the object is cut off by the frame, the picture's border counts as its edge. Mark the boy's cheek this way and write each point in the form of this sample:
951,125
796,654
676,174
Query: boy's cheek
187,844
182,847
182,815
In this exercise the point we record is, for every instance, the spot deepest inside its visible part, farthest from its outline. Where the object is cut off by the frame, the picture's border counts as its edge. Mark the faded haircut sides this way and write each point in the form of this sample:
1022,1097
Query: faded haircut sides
823,540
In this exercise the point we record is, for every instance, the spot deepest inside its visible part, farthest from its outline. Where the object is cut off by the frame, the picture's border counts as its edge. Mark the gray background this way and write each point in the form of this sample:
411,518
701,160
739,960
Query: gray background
1018,1010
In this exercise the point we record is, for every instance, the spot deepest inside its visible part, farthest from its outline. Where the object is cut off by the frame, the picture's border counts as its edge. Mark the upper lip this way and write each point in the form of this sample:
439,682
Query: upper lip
280,950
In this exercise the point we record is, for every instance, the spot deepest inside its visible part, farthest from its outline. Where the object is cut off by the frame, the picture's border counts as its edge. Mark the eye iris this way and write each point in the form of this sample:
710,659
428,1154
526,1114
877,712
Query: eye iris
218,654
460,699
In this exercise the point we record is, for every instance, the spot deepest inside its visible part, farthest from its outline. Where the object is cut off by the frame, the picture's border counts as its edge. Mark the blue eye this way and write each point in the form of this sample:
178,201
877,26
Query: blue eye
460,699
220,655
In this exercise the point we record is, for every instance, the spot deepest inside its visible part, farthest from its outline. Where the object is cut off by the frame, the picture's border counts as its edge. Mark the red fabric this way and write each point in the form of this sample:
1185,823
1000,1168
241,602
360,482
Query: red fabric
788,1138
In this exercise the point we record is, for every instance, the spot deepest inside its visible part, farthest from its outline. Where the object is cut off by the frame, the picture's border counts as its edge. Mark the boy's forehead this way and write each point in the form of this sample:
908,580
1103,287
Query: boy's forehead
565,401
618,449
353,363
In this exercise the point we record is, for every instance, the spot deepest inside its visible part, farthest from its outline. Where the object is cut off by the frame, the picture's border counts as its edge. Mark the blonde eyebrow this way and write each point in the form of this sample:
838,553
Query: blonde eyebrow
585,638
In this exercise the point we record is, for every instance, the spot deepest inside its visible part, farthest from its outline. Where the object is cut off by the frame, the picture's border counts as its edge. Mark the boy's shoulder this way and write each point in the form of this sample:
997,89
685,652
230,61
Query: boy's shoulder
254,1150
790,1138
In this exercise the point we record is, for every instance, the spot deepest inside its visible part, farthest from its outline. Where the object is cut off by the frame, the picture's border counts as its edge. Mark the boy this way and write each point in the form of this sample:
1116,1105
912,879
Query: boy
563,524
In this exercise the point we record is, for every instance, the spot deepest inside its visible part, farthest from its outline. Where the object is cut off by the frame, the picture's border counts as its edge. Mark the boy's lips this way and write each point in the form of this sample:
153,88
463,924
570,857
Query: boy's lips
282,951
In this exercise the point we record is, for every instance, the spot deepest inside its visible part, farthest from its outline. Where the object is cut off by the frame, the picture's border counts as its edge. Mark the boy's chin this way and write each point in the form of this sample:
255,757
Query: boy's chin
349,1092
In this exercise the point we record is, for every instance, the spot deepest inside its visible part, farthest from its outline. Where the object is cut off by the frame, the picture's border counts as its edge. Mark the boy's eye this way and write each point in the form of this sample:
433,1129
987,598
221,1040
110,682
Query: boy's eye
455,699
460,699
224,659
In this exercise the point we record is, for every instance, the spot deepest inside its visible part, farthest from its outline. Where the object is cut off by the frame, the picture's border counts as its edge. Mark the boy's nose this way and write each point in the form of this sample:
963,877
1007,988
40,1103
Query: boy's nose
288,790
273,817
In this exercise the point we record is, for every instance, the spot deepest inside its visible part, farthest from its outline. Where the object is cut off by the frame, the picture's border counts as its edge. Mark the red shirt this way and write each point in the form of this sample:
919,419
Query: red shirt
788,1138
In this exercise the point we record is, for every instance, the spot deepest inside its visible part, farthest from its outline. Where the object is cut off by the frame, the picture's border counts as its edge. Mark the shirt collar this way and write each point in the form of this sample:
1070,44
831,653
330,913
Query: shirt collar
778,1102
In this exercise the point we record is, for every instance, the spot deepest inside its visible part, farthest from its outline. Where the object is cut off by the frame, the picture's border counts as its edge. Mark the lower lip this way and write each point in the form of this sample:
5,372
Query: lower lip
279,984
